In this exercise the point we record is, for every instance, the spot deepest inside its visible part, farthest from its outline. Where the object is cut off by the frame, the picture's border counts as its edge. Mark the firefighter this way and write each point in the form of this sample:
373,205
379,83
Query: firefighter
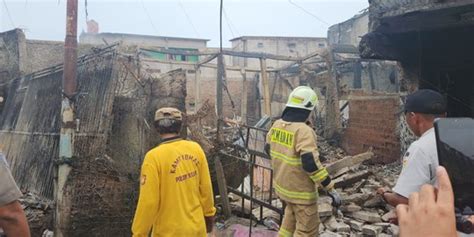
298,173
175,186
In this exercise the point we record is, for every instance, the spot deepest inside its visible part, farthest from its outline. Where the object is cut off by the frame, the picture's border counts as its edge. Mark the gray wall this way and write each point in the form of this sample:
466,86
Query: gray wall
142,40
350,31
286,46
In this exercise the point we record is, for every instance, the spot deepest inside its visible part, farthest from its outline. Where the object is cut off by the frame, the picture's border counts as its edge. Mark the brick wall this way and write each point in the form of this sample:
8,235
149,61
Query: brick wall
372,123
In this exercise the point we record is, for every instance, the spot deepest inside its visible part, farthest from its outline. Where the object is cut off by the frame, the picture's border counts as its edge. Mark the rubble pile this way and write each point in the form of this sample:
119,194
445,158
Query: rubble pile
39,213
363,213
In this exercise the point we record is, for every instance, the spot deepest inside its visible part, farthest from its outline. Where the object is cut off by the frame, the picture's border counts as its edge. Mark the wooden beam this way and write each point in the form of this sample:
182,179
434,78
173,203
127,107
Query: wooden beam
219,98
244,97
265,86
197,89
207,59
222,185
179,52
262,55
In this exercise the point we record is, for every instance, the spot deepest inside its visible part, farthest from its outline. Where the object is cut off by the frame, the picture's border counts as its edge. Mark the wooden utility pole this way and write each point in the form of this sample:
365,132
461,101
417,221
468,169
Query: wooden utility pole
243,104
333,120
267,103
197,89
219,108
221,182
66,138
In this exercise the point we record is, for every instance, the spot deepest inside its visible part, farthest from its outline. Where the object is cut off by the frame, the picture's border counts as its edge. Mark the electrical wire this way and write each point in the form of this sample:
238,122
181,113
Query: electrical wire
149,18
8,14
87,13
309,13
188,18
230,24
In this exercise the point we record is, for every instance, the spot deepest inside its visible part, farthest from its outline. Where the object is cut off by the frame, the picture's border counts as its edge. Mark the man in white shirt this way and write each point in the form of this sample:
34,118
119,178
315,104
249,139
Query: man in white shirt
421,159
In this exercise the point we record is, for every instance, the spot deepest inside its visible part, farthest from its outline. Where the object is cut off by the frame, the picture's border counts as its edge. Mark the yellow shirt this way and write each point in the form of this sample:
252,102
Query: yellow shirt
175,191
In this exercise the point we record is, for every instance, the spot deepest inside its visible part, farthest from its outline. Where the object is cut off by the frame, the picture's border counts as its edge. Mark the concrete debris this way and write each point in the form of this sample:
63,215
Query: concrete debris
357,198
351,207
329,234
39,213
371,230
394,230
366,216
349,161
325,210
362,210
376,201
356,225
389,216
349,179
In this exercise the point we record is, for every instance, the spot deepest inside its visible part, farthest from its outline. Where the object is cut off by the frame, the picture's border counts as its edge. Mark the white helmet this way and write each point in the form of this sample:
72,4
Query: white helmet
302,97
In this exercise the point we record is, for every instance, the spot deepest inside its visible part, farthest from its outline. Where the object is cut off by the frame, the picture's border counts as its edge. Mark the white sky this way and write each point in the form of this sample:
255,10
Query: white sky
45,19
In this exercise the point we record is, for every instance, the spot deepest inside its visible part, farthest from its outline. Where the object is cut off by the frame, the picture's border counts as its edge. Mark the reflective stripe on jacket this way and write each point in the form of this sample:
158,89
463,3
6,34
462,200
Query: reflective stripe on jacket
288,142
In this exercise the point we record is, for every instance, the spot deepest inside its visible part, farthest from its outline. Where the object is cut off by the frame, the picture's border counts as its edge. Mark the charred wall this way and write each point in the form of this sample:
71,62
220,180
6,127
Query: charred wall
114,131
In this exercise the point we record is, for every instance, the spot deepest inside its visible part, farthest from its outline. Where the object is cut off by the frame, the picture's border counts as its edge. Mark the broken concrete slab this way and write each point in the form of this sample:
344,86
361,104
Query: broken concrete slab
352,207
349,161
389,216
325,209
356,225
384,225
371,230
331,223
349,179
329,234
366,216
394,230
357,198
376,201
343,228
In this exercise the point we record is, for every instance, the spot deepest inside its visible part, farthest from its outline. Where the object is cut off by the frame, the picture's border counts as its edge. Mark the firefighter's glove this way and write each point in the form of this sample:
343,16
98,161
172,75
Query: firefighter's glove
336,198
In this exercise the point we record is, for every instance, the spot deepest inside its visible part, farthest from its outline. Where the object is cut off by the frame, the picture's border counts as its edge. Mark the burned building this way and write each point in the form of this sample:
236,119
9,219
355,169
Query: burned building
433,42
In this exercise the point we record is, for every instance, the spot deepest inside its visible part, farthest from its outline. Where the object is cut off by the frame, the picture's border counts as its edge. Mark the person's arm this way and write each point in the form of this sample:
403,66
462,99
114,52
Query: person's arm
147,207
429,212
415,173
12,217
394,199
13,220
205,190
306,146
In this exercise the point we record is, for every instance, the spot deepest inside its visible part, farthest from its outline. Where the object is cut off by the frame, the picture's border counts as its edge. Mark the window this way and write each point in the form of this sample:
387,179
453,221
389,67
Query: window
260,45
184,58
322,45
292,45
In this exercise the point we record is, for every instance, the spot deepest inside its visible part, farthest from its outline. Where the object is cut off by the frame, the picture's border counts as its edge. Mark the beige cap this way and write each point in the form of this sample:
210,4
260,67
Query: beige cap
168,112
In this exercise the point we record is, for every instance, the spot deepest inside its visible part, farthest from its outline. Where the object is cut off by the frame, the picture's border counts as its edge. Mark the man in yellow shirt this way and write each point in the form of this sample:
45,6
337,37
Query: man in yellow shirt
297,171
176,196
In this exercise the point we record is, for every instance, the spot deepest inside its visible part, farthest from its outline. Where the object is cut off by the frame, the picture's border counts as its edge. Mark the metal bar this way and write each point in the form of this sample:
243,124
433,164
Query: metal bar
252,158
271,186
222,187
